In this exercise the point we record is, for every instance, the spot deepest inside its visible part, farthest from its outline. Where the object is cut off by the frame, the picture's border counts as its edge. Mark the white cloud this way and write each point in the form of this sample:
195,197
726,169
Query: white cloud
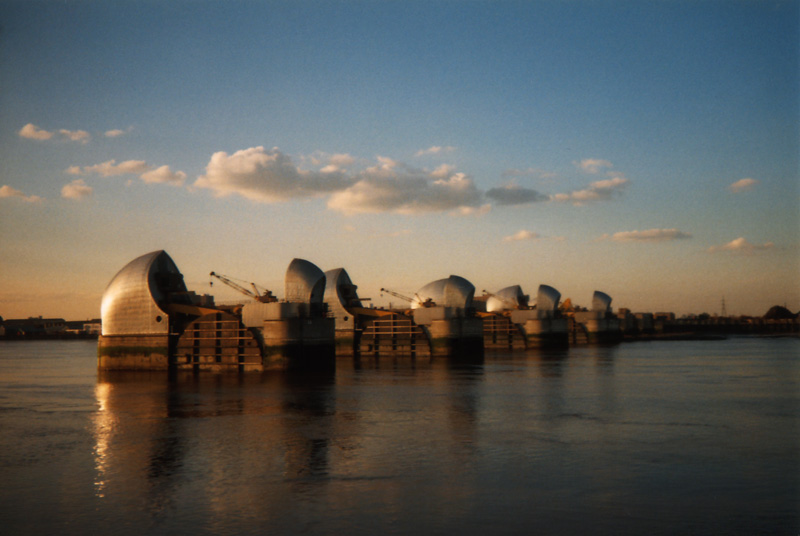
146,172
521,235
390,187
436,149
77,189
75,135
32,132
267,176
593,165
8,191
609,184
596,191
111,168
742,247
650,235
742,185
515,195
163,174
114,133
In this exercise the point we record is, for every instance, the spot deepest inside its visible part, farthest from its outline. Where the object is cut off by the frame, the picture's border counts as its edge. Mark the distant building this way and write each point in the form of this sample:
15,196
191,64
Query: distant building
84,327
34,326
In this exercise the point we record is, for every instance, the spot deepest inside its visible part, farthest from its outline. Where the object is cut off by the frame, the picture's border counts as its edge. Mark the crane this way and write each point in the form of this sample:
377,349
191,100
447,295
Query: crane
422,303
264,297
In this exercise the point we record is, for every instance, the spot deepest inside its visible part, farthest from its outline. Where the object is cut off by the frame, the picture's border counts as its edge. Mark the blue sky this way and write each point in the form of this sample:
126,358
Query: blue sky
645,149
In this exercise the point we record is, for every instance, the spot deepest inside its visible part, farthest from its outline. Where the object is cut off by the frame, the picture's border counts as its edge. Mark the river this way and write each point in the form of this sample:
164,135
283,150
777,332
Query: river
657,438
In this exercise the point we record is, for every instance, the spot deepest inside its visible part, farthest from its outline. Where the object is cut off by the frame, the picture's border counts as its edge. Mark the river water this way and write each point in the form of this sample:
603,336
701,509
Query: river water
680,437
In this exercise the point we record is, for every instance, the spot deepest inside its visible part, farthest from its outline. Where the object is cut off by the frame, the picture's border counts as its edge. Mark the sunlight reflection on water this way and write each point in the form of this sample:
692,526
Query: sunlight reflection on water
657,438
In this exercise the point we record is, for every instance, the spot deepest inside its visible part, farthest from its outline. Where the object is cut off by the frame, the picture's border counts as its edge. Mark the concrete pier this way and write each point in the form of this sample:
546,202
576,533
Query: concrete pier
543,326
297,333
541,329
451,331
599,325
133,352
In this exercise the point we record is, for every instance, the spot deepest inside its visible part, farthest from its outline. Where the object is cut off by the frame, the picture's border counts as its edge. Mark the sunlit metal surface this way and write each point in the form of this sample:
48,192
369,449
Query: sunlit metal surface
454,291
547,298
601,301
134,299
340,295
506,299
305,282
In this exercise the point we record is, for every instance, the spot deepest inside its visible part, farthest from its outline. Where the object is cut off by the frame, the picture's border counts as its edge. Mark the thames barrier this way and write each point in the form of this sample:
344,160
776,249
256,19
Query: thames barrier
151,321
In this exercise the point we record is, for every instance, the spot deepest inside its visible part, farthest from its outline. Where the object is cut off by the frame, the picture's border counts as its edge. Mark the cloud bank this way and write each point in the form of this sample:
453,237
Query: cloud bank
351,185
271,176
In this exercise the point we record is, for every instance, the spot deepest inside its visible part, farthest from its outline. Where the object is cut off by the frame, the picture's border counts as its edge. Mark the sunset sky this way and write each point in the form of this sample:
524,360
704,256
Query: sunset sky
645,149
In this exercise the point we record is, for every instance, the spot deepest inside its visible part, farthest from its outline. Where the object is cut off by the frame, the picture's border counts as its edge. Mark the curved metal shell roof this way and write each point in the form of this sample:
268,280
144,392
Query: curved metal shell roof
305,282
340,290
601,301
506,299
134,299
547,298
454,291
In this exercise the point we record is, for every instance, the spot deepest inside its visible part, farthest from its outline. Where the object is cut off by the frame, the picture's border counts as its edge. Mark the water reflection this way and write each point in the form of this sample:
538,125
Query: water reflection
551,361
309,408
523,442
607,389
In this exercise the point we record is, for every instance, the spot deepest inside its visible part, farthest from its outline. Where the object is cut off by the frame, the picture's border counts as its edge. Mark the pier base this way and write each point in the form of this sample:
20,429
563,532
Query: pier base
133,352
299,343
541,331
598,327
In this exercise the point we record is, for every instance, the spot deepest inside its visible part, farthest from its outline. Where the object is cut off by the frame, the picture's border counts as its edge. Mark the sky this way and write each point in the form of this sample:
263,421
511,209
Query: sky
645,149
